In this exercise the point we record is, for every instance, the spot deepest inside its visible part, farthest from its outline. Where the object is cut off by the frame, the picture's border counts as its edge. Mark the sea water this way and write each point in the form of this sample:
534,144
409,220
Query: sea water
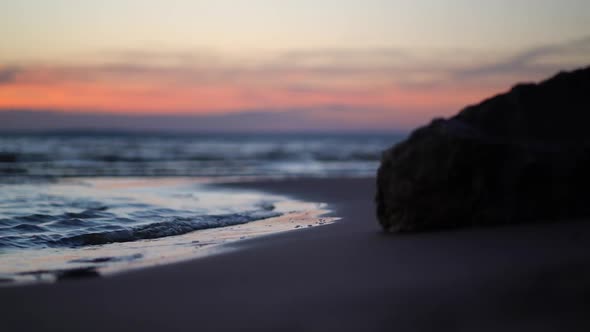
93,203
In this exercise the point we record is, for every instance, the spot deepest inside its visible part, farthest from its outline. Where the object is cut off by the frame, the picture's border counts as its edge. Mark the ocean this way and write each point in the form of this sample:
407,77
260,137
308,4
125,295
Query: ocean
97,203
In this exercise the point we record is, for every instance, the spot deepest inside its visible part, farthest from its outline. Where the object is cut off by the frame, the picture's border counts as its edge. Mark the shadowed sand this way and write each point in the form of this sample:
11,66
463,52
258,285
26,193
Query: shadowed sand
344,276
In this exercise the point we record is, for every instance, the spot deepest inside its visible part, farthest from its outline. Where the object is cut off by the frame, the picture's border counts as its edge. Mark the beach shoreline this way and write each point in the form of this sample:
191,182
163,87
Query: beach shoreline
258,214
345,276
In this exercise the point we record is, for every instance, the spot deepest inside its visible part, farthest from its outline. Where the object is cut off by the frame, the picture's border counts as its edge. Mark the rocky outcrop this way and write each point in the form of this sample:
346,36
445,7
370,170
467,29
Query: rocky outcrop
519,157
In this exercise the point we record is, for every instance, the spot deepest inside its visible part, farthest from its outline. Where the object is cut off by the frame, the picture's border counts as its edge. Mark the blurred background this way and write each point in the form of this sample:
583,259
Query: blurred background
257,87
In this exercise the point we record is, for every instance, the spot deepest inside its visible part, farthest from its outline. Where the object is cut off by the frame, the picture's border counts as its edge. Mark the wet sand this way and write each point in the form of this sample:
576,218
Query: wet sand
344,276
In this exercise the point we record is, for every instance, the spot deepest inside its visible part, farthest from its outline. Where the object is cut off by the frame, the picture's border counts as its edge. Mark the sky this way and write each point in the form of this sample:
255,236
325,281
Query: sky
365,64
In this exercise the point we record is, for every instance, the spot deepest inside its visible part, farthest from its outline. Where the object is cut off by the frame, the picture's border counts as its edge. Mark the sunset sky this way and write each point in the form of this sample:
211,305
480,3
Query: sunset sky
344,63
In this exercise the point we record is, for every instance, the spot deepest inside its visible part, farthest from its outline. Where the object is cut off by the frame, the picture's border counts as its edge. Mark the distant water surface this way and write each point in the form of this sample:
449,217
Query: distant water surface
192,155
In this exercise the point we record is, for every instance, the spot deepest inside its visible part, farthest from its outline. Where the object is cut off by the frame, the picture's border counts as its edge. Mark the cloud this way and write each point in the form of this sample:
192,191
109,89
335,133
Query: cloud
364,85
335,118
534,62
312,69
8,74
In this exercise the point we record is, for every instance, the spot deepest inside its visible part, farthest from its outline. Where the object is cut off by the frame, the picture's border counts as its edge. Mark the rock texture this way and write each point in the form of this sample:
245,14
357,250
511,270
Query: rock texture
519,157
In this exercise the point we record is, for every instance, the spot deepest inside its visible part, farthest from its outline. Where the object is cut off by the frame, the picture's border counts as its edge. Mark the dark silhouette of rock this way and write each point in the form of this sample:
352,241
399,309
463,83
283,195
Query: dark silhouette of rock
519,157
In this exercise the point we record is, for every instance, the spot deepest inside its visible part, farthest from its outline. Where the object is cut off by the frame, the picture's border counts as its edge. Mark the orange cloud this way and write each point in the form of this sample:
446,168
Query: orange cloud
153,98
395,89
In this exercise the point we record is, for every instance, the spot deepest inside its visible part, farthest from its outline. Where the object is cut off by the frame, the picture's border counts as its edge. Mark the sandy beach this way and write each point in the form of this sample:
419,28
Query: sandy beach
344,276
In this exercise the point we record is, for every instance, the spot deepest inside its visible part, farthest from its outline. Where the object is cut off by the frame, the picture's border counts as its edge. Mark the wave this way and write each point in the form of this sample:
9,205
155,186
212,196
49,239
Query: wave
15,159
117,233
188,156
176,226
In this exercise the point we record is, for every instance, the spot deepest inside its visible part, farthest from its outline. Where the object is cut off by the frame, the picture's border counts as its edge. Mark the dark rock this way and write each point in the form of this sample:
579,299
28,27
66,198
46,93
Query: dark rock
519,157
75,274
